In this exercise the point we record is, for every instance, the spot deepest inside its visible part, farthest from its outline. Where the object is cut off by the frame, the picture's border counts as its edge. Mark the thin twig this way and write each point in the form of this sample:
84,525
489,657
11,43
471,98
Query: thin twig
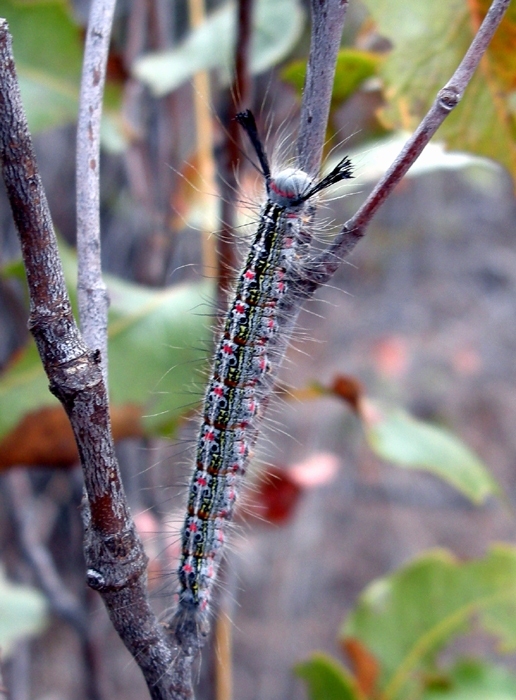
92,292
113,551
327,23
323,267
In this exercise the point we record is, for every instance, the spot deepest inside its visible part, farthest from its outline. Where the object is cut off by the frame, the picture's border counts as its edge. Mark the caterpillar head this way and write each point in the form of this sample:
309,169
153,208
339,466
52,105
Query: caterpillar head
289,187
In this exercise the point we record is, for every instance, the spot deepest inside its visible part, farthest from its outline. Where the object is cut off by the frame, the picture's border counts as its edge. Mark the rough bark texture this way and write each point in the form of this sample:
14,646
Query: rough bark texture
117,565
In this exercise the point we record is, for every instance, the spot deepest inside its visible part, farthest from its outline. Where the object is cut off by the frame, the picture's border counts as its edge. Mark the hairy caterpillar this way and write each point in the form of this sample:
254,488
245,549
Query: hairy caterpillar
246,360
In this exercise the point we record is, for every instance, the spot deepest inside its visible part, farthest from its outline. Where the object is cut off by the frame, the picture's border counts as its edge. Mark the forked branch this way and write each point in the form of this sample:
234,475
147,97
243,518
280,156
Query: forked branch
115,559
320,269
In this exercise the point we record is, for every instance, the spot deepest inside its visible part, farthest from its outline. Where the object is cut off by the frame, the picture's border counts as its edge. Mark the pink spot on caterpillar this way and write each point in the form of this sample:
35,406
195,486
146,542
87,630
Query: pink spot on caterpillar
192,526
209,436
263,363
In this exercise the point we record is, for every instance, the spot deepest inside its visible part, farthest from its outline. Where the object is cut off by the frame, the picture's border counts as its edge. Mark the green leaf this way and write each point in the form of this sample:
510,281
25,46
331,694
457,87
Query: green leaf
326,679
114,135
398,437
470,679
405,619
23,388
352,69
157,343
47,47
23,612
430,39
47,51
277,26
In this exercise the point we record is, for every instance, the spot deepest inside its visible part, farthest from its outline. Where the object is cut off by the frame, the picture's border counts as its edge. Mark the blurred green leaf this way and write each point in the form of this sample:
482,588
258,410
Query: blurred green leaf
406,618
23,388
158,341
470,679
429,41
23,612
47,47
398,437
277,25
352,69
327,679
114,133
47,50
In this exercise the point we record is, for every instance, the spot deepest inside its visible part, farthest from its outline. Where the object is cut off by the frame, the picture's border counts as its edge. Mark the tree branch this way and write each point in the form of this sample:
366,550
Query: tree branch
327,23
92,292
319,270
114,555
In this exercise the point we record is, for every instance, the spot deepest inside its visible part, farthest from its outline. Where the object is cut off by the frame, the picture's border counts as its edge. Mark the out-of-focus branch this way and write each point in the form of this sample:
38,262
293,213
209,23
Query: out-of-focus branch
323,267
3,689
92,293
113,551
204,144
239,96
327,23
62,602
22,505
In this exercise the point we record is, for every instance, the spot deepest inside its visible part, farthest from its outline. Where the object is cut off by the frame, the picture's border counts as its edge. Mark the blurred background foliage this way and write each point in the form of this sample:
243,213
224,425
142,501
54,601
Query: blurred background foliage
416,356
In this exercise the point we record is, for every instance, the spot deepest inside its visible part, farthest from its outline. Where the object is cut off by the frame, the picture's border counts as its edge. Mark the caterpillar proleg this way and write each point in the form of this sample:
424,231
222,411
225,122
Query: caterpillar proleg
246,361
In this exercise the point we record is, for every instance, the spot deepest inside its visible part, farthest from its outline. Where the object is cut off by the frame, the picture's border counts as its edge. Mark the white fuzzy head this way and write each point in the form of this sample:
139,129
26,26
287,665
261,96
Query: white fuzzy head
288,185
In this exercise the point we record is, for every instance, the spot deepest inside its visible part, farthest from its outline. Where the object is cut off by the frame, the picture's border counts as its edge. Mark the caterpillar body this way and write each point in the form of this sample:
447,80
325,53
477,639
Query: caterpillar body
247,357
